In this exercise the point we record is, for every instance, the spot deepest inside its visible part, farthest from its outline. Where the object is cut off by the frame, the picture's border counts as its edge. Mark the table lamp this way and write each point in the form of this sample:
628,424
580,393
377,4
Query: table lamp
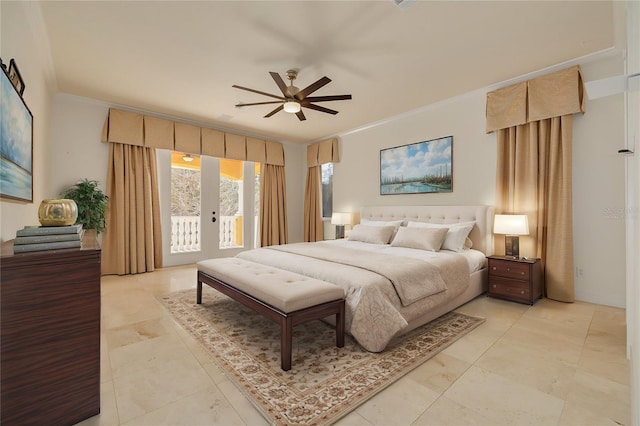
512,226
341,219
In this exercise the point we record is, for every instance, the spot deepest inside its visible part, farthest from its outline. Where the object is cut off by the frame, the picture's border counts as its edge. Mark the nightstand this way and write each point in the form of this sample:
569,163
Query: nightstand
518,280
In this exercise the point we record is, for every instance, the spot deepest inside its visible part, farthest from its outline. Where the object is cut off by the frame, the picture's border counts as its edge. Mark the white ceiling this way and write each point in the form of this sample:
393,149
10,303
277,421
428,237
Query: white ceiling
181,58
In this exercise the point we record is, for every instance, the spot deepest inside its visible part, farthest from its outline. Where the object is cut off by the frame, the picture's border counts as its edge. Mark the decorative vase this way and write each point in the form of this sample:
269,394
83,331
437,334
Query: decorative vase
61,212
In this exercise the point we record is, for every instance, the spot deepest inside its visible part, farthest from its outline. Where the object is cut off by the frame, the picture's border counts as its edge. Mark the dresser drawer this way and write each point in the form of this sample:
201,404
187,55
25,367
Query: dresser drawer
509,288
509,269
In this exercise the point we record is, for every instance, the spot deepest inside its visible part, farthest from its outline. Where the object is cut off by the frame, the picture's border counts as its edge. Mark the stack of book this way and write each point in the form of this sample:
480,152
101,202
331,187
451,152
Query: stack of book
39,238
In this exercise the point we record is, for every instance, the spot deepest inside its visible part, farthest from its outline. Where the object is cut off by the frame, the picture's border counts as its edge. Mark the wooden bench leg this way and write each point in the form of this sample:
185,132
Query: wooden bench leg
199,296
286,337
340,326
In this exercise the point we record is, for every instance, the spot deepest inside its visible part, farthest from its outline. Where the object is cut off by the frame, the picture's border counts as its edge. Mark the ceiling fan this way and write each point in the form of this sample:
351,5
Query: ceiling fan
293,99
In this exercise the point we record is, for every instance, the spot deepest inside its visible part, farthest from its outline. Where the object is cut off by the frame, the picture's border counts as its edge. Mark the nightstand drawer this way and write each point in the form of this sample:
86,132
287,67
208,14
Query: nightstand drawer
509,269
509,288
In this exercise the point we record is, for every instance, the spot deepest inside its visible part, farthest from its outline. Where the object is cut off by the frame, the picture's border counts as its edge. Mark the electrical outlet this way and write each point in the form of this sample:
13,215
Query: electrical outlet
579,272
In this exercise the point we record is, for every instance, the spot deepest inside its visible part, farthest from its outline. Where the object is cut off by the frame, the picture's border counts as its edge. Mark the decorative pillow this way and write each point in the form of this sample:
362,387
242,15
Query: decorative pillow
371,234
420,238
371,222
456,236
395,223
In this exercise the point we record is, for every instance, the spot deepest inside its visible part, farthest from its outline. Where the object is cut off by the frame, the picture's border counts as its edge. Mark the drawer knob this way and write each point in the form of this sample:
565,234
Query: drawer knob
494,286
521,291
508,269
522,273
494,268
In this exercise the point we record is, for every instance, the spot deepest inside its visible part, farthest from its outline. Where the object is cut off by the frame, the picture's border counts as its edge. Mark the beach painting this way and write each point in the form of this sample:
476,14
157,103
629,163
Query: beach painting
423,167
16,144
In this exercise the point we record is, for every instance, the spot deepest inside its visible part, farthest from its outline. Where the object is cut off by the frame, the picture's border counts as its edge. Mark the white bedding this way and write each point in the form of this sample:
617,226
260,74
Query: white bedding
374,312
475,258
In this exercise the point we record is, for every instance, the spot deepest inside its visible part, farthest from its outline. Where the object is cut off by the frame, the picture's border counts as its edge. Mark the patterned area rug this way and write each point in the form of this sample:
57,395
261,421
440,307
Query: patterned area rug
325,382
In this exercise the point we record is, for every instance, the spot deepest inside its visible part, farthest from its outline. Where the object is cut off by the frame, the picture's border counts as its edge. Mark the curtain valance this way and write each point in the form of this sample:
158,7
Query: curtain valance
553,95
322,152
131,128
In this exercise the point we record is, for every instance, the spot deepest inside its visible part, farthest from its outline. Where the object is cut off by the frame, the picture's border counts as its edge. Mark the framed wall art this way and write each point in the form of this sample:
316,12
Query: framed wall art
16,143
423,167
15,77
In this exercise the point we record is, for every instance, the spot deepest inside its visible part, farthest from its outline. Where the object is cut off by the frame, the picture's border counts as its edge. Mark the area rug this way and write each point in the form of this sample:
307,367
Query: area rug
325,382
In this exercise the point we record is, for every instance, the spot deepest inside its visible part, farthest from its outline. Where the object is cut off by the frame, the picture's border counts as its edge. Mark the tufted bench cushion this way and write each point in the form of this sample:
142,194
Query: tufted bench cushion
282,296
284,290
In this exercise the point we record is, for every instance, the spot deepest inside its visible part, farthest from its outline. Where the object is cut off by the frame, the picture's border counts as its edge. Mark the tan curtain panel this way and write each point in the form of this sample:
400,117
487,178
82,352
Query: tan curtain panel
187,138
256,150
556,94
312,155
275,153
317,154
235,147
158,133
131,128
314,227
328,152
212,142
507,107
132,242
322,152
534,178
124,127
273,206
552,95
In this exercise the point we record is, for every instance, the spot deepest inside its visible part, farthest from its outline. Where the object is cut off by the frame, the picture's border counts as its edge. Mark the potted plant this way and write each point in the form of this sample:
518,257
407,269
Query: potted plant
92,204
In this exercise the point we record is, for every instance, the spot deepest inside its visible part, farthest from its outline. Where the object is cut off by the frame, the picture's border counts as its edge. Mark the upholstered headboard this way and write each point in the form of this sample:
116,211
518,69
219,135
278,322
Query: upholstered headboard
480,234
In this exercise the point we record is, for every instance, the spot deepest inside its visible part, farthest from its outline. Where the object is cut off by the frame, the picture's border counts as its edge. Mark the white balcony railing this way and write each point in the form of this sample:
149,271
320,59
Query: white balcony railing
186,233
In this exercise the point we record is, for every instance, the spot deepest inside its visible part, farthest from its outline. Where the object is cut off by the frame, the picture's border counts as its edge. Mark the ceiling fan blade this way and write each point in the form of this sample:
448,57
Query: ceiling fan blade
280,108
327,98
312,88
280,82
258,92
319,108
301,116
259,103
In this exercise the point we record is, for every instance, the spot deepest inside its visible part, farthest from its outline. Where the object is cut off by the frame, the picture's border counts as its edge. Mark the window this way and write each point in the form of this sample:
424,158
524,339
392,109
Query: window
327,190
185,203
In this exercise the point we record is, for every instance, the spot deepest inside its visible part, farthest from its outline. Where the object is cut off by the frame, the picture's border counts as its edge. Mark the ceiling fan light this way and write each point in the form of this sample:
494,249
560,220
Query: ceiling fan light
188,158
292,107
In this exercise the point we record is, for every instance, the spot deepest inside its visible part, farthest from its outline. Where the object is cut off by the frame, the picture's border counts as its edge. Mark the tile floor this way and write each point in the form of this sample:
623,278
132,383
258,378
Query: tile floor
550,364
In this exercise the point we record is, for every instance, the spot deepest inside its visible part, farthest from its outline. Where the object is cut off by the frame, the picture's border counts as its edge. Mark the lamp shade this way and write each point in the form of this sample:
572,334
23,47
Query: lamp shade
511,224
341,218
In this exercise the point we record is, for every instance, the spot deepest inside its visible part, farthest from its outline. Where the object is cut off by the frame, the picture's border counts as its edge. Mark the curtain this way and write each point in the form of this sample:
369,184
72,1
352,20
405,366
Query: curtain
314,226
132,242
317,154
534,178
273,206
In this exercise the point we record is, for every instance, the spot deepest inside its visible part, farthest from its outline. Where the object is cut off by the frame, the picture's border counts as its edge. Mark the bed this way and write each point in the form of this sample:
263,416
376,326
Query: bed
377,307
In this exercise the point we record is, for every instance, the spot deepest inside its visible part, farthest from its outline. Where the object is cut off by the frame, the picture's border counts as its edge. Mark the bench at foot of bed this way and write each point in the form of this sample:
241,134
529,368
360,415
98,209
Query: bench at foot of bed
282,296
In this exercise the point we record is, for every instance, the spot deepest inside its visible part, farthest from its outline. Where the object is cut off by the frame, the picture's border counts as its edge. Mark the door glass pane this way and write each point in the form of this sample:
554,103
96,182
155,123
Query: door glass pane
256,206
327,189
231,203
185,203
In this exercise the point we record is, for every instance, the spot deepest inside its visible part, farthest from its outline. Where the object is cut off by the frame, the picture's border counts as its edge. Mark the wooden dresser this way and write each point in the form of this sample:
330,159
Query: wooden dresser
50,335
518,280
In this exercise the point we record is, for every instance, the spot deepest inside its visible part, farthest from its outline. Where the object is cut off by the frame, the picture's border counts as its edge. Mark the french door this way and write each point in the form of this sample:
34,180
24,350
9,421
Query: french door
209,206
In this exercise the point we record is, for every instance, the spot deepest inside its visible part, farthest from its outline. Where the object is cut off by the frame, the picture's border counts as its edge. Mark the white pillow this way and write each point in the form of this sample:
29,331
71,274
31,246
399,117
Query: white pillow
372,222
420,238
395,223
456,236
372,234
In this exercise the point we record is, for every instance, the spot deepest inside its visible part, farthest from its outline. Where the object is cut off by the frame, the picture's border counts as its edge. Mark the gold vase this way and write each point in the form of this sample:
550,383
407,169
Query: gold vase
61,212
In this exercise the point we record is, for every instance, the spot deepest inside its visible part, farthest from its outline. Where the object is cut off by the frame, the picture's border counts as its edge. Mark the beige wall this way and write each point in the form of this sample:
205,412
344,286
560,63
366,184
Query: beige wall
598,174
20,40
